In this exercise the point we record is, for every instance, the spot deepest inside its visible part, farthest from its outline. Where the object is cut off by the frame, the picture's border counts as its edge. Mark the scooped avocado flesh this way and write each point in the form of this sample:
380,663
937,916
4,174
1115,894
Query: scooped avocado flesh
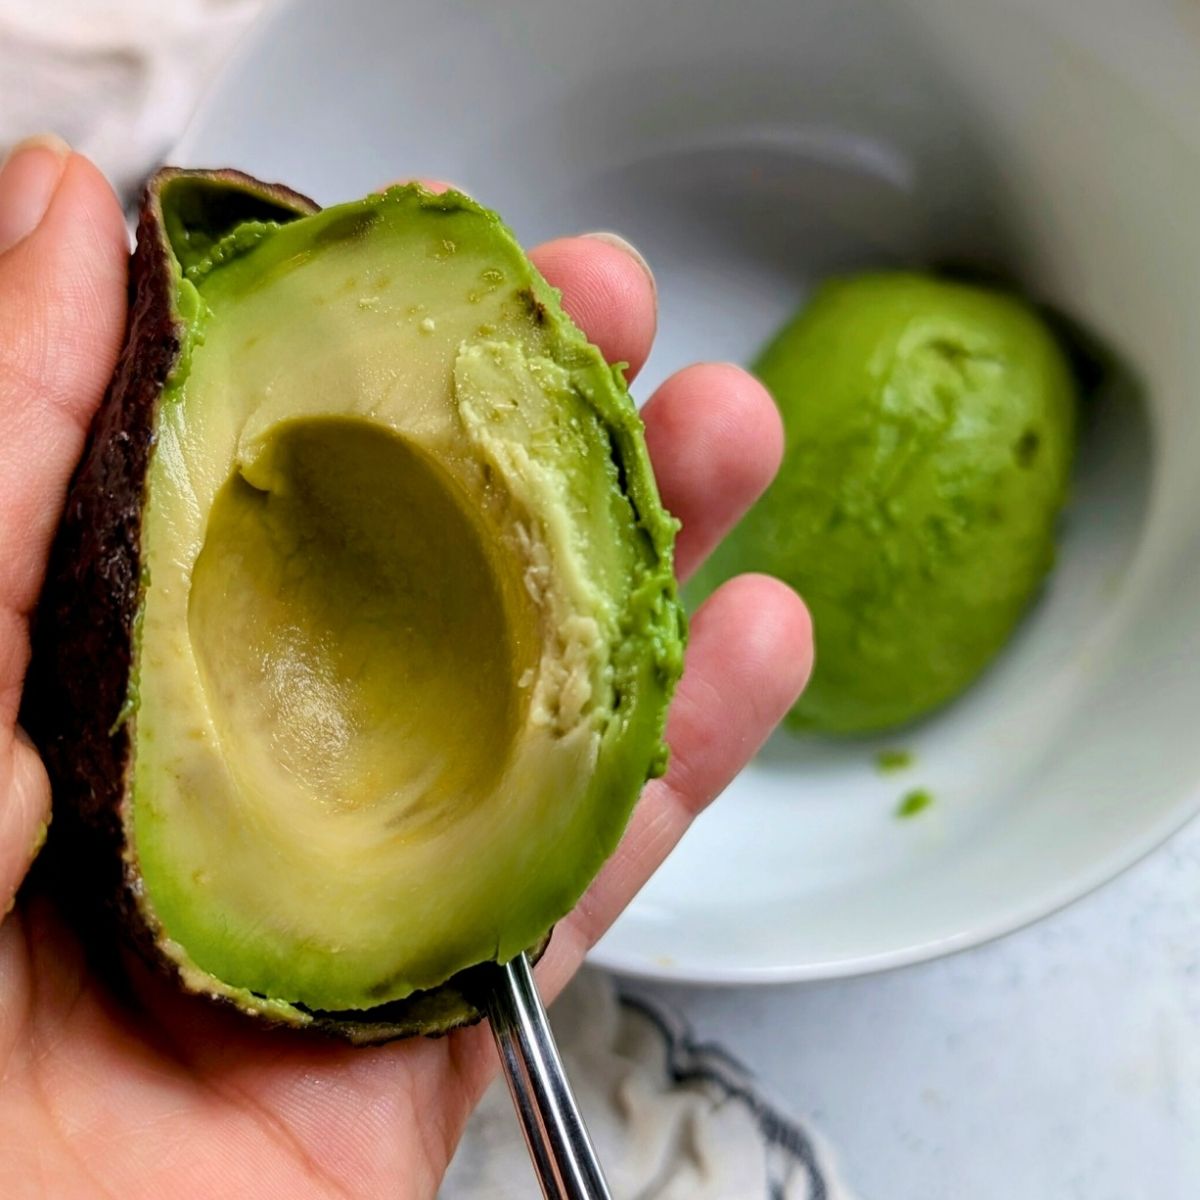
930,428
408,625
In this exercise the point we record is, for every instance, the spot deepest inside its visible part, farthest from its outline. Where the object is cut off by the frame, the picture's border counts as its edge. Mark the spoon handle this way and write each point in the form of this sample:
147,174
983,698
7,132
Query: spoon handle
557,1138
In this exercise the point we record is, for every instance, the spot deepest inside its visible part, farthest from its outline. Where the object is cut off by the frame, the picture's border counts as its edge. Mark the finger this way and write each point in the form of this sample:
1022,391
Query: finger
63,252
436,186
62,317
716,441
608,291
24,813
748,660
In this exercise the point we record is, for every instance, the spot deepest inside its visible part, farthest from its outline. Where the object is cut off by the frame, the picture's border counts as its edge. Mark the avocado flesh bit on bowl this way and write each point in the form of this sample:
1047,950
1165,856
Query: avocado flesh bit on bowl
406,626
930,429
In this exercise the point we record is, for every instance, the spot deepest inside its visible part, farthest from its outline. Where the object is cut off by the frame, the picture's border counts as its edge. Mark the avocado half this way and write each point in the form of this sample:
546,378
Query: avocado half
361,623
930,429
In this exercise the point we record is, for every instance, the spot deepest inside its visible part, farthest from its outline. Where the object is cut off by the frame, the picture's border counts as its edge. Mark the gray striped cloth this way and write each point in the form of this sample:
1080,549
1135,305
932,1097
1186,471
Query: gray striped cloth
672,1118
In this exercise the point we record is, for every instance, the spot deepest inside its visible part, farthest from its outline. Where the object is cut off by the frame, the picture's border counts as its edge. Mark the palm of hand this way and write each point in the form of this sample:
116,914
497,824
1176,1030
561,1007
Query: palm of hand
160,1095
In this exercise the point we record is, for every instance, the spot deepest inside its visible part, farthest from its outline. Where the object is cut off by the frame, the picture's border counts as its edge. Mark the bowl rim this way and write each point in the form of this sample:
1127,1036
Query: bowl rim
1043,904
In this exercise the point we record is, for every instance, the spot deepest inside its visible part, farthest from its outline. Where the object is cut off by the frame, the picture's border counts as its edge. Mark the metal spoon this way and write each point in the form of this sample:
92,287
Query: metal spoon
557,1138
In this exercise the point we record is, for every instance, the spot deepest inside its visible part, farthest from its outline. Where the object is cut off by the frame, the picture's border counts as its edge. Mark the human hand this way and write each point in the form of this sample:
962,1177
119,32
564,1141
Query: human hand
170,1097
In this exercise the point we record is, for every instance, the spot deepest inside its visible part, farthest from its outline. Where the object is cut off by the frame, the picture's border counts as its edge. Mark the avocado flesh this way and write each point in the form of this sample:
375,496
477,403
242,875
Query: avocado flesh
408,626
930,429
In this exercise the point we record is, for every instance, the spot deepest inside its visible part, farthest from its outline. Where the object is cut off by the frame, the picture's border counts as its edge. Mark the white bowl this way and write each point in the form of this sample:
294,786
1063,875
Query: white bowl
749,149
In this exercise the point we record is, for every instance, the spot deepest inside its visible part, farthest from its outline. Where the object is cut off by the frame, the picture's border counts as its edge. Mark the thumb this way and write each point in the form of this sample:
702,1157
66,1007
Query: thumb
63,255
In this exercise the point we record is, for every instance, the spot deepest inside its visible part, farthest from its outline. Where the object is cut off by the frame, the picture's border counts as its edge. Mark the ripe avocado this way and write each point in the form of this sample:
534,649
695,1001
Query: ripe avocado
361,623
930,428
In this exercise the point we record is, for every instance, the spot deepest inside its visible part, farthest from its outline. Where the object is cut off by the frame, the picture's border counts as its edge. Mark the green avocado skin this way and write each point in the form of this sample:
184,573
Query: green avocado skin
930,429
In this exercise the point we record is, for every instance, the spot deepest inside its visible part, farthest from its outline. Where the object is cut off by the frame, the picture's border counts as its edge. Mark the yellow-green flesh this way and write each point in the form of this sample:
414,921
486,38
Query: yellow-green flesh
387,666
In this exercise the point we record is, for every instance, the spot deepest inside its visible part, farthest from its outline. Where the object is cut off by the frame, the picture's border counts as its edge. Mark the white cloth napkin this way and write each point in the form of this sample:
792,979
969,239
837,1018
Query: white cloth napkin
117,78
671,1119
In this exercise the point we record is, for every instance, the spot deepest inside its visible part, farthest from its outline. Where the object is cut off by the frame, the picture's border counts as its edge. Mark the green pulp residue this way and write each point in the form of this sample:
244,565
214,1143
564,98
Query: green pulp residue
914,802
888,761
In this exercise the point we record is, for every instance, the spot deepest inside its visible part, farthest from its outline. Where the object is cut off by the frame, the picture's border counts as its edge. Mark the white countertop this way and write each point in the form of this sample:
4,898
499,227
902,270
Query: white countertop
1060,1062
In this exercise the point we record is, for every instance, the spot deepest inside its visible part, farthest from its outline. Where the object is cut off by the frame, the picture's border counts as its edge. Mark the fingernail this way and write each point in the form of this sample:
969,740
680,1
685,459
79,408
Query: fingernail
28,180
615,239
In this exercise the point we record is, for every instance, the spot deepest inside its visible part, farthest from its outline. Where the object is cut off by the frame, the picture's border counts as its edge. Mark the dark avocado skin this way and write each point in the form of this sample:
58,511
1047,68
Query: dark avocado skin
84,626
